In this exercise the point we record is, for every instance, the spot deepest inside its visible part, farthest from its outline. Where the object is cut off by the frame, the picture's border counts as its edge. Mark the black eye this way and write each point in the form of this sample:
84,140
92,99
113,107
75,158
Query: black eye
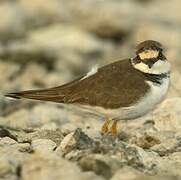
138,60
161,56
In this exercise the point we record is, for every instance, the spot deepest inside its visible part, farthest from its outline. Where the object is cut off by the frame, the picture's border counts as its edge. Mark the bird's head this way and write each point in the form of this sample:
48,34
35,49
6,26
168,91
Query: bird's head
150,58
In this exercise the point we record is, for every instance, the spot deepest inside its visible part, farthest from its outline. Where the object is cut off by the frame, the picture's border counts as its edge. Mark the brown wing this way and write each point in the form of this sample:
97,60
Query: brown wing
115,85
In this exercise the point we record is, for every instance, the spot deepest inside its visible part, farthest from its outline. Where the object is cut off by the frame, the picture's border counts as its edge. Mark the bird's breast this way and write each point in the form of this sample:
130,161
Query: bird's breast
148,102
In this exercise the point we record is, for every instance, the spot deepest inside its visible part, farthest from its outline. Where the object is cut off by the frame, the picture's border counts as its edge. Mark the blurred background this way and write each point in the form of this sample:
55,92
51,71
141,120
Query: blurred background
45,43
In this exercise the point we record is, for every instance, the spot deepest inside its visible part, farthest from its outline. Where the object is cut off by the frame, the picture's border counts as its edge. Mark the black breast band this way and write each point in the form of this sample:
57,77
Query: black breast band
156,78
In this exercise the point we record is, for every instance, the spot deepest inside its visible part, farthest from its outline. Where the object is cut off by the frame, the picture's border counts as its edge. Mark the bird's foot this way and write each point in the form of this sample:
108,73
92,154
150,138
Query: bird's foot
114,130
105,126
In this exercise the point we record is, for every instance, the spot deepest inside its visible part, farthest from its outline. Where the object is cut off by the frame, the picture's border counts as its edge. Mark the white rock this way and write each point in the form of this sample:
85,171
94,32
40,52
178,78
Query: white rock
42,145
167,117
46,167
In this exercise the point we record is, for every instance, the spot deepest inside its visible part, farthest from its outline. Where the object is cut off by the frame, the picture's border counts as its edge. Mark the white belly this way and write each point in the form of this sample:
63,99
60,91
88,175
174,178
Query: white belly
143,106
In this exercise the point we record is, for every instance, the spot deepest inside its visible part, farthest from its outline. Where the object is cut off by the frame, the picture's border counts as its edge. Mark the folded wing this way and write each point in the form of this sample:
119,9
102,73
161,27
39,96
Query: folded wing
112,86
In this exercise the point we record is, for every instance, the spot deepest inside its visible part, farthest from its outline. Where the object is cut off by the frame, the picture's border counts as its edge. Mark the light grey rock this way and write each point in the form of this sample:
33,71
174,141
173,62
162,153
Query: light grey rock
102,165
93,16
81,13
67,37
167,147
12,149
19,119
167,117
43,145
11,25
67,142
28,135
75,140
12,155
128,173
55,136
45,113
24,52
70,53
38,116
170,164
175,79
31,77
40,12
49,166
139,159
145,141
49,126
8,71
7,171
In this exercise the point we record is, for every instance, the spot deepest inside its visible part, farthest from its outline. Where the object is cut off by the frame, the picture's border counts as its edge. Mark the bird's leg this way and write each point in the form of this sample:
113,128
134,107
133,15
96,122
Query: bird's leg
105,126
114,130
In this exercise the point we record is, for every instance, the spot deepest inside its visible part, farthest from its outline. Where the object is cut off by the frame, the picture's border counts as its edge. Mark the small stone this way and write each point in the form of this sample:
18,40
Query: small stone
55,136
5,133
139,158
67,143
24,147
167,117
171,164
102,165
5,167
49,127
43,145
44,113
166,147
127,173
6,141
50,166
147,141
12,25
75,140
131,174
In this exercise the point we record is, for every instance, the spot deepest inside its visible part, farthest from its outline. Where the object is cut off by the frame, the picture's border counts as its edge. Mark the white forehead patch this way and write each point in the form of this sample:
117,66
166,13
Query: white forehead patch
158,67
148,54
93,71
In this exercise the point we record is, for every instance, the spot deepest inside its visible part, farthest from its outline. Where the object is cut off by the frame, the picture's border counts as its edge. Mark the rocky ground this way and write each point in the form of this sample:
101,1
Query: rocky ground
46,43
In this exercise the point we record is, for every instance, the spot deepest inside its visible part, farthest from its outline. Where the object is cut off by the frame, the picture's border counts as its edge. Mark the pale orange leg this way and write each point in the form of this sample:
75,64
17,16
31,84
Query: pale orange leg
105,126
114,130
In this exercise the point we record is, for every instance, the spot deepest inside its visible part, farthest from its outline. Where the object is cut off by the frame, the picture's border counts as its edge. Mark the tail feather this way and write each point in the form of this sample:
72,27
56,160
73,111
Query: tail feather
13,95
44,95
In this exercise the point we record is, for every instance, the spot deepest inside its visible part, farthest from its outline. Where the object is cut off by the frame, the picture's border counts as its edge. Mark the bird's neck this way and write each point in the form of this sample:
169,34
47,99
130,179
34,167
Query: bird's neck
158,67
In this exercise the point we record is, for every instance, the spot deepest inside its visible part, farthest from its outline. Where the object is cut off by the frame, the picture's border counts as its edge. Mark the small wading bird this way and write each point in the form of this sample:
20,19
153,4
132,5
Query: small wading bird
124,90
